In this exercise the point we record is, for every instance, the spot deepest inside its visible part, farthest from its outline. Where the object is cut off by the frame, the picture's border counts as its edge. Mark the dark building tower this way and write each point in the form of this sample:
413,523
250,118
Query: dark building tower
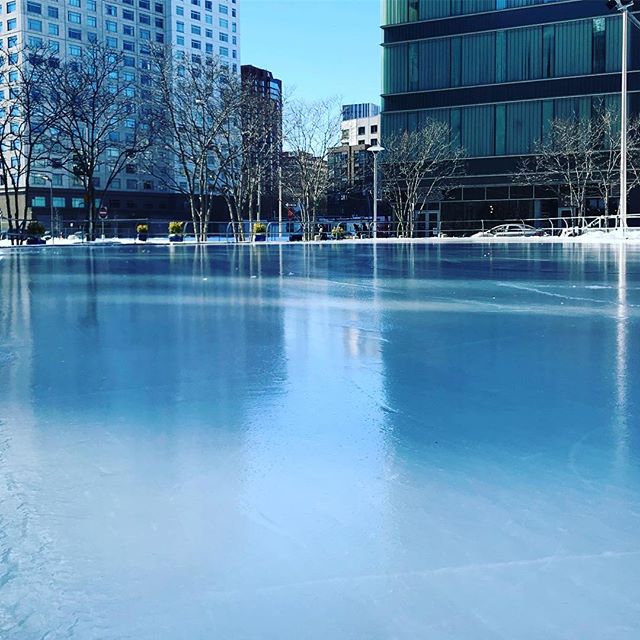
498,72
261,84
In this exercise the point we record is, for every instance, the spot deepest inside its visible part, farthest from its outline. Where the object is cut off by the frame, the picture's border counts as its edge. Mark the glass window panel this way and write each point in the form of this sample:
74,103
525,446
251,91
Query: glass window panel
476,51
524,126
524,47
478,130
573,48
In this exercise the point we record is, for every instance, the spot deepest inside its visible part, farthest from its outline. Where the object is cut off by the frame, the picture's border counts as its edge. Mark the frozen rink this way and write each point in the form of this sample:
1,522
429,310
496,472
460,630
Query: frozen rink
329,442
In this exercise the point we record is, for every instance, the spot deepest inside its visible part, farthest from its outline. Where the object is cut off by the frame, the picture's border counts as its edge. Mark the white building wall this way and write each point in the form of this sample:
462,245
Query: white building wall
361,131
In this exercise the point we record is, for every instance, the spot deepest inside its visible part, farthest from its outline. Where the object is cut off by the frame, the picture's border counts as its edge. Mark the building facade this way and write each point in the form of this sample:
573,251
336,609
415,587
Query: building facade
351,165
361,110
498,72
262,84
194,29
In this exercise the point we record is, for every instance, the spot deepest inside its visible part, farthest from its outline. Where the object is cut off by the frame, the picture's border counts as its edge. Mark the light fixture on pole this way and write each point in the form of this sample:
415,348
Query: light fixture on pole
48,179
375,149
623,6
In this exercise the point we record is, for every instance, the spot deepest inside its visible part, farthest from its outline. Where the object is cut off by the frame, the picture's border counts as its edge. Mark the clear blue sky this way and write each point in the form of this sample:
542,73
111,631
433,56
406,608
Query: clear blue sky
321,48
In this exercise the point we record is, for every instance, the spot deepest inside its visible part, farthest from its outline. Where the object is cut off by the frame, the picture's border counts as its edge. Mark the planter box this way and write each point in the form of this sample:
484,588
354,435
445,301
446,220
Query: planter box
174,237
259,237
143,237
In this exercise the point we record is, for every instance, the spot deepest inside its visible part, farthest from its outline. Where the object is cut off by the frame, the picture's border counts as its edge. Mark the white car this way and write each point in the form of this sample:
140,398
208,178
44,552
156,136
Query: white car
508,231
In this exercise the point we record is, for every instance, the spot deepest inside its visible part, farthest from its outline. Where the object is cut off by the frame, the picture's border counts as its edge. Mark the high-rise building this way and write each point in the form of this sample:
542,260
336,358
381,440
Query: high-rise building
197,29
362,110
498,72
262,84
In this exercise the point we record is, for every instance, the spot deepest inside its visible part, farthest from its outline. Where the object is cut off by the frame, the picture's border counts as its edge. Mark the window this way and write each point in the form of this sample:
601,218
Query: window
110,10
144,19
145,34
224,52
224,37
75,34
34,25
54,30
11,24
58,201
38,201
180,27
128,61
77,203
132,183
91,5
75,50
92,21
222,8
195,15
179,11
92,37
195,44
74,3
111,26
11,7
74,17
224,24
127,14
159,37
144,4
159,22
127,45
128,30
196,30
362,131
34,7
52,12
158,7
374,128
112,42
180,40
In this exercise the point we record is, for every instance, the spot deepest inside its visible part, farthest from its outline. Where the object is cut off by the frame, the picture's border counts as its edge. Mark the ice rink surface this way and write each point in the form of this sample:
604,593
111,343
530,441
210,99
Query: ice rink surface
349,442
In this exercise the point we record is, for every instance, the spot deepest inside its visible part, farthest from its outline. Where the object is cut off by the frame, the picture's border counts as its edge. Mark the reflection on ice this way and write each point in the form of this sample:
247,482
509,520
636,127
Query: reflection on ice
424,441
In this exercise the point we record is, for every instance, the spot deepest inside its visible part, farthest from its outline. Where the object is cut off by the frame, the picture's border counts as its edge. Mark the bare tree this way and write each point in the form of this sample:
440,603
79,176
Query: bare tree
24,126
198,108
569,161
419,167
247,152
100,126
311,130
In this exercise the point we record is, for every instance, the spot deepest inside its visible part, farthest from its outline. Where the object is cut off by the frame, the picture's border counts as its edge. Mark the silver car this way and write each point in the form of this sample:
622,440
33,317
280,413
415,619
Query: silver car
508,231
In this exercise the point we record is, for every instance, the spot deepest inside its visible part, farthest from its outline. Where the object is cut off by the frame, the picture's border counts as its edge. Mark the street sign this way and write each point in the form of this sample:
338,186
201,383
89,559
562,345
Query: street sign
102,212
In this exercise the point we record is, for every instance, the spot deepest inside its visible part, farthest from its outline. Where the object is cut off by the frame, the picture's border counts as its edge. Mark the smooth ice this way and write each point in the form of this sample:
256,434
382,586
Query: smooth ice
340,441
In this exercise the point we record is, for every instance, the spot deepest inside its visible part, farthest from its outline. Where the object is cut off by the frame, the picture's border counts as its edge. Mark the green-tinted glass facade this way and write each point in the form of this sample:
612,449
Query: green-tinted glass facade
577,48
401,11
503,129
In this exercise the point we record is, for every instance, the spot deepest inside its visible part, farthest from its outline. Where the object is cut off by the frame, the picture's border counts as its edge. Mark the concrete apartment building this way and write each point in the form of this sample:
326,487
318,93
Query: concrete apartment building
194,27
351,165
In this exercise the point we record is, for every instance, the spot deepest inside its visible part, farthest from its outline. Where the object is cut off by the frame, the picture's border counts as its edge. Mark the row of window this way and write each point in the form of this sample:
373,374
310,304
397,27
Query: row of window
501,129
529,53
401,11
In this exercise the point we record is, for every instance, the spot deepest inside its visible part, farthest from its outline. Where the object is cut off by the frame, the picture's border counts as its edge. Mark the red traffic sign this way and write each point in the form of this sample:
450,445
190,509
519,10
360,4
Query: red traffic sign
102,212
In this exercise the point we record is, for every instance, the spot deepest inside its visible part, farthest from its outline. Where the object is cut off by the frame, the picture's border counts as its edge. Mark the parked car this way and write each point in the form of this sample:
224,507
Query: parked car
509,231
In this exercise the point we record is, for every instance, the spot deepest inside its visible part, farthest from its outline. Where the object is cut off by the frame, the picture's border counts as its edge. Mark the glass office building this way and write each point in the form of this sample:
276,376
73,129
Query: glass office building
498,72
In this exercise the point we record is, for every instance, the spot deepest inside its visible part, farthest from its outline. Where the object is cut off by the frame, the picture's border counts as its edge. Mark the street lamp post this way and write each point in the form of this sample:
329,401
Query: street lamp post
375,150
50,181
623,6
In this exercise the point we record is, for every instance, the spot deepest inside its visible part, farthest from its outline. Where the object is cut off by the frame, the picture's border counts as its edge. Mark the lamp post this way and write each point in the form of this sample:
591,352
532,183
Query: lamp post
623,6
375,150
50,181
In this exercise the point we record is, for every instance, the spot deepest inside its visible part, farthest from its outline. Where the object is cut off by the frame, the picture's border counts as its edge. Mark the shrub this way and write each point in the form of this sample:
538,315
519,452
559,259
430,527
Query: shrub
338,232
35,228
176,228
259,228
142,228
